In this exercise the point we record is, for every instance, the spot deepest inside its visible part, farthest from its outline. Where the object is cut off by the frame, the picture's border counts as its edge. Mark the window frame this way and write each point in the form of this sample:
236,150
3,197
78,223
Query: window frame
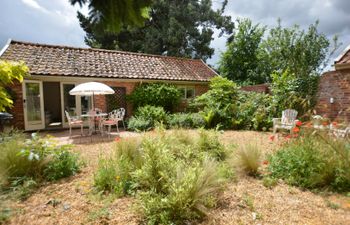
186,88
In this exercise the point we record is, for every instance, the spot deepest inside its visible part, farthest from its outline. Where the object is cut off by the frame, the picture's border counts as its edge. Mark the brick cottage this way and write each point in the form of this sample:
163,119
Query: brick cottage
333,100
40,101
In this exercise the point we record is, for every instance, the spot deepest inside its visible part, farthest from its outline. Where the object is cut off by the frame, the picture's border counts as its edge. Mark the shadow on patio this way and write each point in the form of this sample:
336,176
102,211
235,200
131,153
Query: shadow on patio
63,136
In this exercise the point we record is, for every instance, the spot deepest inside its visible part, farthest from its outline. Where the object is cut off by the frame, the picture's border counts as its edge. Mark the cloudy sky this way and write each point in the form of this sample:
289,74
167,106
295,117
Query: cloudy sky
55,22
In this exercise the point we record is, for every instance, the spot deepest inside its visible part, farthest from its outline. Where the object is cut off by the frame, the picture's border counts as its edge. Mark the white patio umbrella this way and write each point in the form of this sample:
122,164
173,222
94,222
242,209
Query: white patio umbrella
91,88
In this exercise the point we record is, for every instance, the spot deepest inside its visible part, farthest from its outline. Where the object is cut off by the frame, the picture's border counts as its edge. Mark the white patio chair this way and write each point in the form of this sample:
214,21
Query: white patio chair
74,122
122,115
339,133
113,119
286,122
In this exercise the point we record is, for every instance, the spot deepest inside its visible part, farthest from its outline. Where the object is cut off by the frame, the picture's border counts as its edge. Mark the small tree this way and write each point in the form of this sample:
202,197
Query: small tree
10,72
219,103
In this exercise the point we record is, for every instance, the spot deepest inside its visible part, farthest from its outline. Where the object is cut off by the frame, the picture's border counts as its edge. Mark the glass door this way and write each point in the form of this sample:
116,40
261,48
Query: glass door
75,105
33,105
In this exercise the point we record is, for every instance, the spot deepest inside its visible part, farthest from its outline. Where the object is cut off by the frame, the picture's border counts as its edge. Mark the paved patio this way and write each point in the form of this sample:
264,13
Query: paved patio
63,136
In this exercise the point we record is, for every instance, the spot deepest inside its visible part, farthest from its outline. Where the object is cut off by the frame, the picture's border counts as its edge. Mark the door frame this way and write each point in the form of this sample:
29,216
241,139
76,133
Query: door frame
28,126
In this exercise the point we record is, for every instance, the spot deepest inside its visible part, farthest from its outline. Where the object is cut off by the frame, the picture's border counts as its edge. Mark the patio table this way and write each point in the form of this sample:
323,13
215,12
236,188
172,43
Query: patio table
92,117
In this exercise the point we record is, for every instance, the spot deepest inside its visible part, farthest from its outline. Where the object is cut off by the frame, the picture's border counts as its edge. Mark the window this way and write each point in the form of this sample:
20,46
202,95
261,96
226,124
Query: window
187,92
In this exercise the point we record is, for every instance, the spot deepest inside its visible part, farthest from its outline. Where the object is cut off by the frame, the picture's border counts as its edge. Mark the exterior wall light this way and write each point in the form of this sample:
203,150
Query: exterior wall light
331,100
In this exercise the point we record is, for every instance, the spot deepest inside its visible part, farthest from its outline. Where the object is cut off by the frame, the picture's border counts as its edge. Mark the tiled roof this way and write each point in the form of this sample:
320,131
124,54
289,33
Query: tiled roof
344,59
57,60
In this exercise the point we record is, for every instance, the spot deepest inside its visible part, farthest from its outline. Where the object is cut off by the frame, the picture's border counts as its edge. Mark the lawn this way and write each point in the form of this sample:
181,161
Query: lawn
245,199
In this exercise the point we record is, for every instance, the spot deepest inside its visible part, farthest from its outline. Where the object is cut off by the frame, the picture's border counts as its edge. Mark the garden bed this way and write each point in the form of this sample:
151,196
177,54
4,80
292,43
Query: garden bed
244,201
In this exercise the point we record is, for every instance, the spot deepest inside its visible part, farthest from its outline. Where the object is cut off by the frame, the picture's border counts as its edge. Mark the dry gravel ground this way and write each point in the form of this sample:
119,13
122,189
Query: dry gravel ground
246,201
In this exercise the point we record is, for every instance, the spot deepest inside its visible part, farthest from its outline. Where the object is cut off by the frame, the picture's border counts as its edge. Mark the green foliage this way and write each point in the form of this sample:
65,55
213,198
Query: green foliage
254,111
147,117
269,182
218,105
63,164
314,161
247,159
289,93
34,159
9,73
241,62
111,15
175,28
114,173
156,94
209,142
175,180
186,120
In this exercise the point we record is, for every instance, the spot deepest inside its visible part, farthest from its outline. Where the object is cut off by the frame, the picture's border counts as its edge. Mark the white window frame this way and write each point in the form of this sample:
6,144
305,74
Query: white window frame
186,88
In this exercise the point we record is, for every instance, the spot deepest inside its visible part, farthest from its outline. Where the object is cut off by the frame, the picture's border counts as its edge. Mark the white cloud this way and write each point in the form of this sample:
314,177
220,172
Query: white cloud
35,5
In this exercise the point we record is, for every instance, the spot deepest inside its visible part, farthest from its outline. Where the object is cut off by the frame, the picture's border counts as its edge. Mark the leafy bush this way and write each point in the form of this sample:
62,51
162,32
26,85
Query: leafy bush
63,164
156,94
186,120
174,180
209,142
247,159
254,111
218,105
114,173
147,117
314,161
36,158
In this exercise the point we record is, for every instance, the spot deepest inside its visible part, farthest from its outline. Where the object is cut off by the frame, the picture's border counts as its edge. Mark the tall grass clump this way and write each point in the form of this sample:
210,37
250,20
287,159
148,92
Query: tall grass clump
314,161
209,142
247,159
35,159
174,181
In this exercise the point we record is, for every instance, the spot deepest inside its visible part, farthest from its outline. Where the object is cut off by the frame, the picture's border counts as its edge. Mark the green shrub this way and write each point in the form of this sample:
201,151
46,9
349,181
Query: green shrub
187,197
114,173
254,111
63,164
314,161
174,180
186,120
209,142
218,105
147,117
155,94
34,159
247,159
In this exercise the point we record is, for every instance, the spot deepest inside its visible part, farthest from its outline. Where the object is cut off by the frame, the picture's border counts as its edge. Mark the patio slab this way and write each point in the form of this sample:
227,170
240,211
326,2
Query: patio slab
62,136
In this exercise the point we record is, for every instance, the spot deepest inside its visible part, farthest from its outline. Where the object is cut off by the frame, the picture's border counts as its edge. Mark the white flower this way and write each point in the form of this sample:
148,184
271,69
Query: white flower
34,135
36,156
317,117
31,156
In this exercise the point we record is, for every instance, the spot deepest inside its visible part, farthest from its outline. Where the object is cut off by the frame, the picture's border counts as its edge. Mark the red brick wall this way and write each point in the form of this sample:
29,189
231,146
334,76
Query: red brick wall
17,110
100,100
261,88
336,85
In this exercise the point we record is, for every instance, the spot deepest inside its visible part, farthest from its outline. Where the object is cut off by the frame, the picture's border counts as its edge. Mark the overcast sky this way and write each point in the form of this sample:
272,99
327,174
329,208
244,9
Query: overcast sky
55,22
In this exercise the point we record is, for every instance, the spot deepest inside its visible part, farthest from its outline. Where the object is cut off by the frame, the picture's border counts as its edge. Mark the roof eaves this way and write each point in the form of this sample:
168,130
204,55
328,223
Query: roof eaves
340,57
5,47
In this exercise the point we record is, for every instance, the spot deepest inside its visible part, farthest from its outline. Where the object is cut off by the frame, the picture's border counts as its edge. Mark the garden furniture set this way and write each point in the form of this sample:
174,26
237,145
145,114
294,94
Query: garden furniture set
97,121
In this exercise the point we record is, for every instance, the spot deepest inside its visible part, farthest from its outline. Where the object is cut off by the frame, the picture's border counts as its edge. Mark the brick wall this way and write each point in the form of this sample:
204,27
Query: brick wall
17,109
336,85
261,88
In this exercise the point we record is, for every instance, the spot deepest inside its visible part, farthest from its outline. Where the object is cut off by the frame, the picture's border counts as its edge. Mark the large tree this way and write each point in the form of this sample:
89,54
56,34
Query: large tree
113,14
241,62
175,28
251,56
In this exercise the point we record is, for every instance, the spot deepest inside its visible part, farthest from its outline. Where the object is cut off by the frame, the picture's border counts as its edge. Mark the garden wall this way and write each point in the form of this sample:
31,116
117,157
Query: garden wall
333,98
260,88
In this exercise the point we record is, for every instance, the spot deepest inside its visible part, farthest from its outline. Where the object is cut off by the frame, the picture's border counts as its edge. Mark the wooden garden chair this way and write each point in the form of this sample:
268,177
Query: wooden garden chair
287,121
